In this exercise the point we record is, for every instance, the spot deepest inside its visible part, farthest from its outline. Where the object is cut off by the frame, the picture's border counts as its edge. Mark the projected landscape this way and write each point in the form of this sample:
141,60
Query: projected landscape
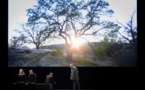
88,33
51,56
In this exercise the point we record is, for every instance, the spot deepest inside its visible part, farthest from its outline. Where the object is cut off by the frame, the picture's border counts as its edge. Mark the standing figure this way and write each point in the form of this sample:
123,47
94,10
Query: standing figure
74,76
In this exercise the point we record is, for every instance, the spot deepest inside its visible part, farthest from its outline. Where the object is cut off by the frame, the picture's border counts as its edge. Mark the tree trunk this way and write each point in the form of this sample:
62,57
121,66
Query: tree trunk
69,55
37,46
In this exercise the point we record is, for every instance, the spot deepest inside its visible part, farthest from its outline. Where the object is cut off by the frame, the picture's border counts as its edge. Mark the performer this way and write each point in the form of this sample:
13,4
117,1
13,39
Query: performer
50,81
21,76
32,77
74,76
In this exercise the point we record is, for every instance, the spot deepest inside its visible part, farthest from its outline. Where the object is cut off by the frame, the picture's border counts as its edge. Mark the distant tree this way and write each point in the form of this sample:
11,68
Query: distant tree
72,19
13,41
130,30
36,33
112,36
16,41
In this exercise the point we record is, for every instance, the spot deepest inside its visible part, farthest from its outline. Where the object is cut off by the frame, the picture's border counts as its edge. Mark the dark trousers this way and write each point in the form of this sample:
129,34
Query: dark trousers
75,84
51,86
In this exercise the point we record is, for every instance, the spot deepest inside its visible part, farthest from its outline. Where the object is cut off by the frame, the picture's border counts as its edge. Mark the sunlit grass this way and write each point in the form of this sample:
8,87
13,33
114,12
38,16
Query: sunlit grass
82,62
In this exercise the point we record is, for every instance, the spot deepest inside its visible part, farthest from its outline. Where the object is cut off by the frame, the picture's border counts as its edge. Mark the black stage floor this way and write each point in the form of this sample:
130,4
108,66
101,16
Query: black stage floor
39,86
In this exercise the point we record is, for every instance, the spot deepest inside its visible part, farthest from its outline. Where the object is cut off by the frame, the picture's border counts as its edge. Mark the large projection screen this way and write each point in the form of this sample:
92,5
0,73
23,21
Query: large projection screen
87,33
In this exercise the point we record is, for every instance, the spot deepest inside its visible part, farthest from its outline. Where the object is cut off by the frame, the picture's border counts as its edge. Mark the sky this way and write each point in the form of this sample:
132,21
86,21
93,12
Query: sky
17,13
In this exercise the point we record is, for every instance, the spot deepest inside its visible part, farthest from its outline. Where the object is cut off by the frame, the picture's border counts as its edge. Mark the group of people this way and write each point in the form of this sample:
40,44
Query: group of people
32,78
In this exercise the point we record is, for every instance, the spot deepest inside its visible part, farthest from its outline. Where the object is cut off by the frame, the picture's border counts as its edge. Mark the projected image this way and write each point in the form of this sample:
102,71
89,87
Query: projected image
87,33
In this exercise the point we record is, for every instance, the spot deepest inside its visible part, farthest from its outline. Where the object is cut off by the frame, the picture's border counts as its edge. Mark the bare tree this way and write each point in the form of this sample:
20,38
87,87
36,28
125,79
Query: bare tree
36,33
130,30
16,41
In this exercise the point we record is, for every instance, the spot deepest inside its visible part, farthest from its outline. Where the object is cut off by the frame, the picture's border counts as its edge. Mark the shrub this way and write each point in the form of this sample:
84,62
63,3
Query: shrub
112,48
100,51
27,51
126,57
56,51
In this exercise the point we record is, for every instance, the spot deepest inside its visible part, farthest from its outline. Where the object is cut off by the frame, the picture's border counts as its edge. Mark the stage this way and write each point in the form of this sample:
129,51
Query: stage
37,86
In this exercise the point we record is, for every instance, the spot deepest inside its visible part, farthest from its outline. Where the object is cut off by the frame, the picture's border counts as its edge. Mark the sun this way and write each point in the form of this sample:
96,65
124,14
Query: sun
77,42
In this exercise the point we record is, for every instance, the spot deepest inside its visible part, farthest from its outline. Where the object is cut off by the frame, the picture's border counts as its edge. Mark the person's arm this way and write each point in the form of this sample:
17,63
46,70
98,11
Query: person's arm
47,79
72,74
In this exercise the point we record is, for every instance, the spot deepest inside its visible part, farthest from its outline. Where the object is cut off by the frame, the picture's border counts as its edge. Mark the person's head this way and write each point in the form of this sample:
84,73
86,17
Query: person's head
51,74
71,65
21,71
31,71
